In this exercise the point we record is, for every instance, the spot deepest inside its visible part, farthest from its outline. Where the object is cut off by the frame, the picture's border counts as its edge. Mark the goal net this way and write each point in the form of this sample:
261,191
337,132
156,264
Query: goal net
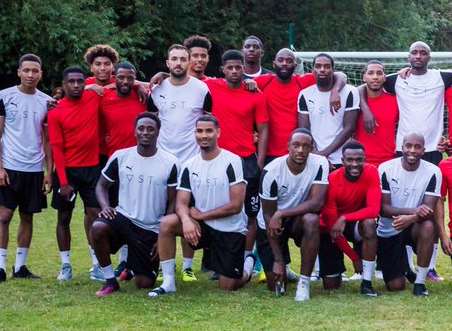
352,63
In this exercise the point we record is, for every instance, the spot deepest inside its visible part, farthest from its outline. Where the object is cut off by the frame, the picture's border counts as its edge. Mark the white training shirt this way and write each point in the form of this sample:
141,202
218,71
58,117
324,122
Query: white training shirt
279,183
421,105
22,145
407,188
143,183
209,182
178,108
325,126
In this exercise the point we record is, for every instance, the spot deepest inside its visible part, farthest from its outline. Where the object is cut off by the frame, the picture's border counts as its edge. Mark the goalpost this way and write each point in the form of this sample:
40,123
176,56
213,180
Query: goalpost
352,63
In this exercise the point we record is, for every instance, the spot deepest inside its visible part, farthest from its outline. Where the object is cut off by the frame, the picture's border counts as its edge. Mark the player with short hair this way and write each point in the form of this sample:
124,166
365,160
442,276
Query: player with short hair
147,179
253,50
179,102
199,47
350,213
292,191
24,152
411,188
74,137
209,212
330,129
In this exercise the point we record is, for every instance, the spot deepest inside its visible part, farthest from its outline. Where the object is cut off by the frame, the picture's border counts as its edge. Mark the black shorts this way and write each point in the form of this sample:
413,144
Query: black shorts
265,251
24,190
433,157
331,258
83,180
251,174
139,242
113,191
226,250
392,256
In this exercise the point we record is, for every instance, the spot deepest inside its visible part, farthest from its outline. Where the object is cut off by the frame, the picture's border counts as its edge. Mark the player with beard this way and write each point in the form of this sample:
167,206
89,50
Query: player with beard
411,188
253,50
350,213
329,129
292,191
179,101
209,212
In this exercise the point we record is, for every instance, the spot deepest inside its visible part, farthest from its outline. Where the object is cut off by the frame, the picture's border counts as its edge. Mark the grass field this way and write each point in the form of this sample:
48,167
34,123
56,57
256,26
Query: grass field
47,305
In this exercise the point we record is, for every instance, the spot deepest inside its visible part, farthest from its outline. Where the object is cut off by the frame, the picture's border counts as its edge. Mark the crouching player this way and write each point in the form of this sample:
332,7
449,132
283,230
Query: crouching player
147,179
293,191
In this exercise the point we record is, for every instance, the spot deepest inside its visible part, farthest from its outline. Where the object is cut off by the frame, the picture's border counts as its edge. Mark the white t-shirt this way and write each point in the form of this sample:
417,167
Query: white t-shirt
209,182
179,107
324,126
407,188
143,183
421,105
279,183
22,145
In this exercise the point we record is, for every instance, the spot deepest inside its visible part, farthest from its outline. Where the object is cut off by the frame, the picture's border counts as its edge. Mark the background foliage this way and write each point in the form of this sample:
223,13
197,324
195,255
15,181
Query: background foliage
60,31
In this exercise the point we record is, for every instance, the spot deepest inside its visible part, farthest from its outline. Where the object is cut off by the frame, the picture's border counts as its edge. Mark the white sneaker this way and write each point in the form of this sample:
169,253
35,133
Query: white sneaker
378,274
303,291
292,275
344,277
315,277
65,273
356,276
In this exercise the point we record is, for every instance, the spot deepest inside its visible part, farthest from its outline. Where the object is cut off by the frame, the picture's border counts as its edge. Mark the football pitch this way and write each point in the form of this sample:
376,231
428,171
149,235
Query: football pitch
48,305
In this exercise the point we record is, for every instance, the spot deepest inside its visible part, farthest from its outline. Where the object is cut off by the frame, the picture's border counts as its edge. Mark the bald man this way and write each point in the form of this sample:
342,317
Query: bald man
411,188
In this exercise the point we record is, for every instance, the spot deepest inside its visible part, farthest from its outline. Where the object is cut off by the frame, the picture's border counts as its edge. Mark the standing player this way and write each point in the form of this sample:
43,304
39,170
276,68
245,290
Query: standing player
101,60
147,179
411,188
74,137
350,213
293,191
253,50
199,47
239,112
24,149
179,101
446,192
214,180
330,129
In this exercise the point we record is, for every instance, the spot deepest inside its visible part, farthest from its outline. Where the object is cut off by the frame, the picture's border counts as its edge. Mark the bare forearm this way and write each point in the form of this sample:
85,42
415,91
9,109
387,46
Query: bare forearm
102,195
309,206
388,210
226,210
340,139
262,144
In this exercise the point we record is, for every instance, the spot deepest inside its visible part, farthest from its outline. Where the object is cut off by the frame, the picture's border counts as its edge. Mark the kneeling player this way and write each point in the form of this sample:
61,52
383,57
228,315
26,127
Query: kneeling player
147,179
411,188
214,180
293,191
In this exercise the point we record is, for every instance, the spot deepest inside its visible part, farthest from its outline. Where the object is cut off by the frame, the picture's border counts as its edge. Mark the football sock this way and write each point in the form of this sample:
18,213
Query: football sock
94,260
247,252
123,253
108,272
3,256
368,269
410,256
434,256
169,282
65,257
421,275
21,257
188,263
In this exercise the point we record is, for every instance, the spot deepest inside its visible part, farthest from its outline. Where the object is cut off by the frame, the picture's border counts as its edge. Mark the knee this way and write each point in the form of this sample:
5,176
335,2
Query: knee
227,286
311,223
144,282
427,229
396,285
369,230
5,216
168,224
331,283
99,230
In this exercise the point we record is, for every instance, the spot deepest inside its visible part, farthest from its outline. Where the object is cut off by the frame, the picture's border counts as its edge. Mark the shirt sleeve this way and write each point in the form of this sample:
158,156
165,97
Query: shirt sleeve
330,213
172,178
447,78
234,171
56,140
444,186
111,169
305,80
352,102
385,188
390,82
373,199
261,112
2,108
151,105
268,189
322,173
302,105
184,180
207,105
434,184
449,109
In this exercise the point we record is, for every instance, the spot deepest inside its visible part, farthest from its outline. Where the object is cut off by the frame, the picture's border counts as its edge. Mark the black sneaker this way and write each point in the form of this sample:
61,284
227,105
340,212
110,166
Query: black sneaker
420,290
2,275
411,276
24,273
367,289
120,268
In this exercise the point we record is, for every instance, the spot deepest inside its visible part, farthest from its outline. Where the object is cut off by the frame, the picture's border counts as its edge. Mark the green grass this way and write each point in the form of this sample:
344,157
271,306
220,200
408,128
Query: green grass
47,305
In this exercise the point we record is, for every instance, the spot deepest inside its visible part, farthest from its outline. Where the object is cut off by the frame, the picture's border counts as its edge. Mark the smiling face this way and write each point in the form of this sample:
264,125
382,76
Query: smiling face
413,149
353,161
146,132
125,79
30,74
102,69
207,133
199,58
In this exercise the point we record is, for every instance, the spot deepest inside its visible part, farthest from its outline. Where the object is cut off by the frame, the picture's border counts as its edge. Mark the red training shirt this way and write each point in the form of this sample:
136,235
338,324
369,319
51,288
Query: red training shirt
446,186
380,146
92,80
449,108
282,108
237,110
117,118
74,133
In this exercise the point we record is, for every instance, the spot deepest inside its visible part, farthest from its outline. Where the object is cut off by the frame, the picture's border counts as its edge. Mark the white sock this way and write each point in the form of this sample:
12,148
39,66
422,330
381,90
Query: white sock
188,263
123,253
3,257
247,253
108,272
434,256
65,257
93,256
421,275
248,266
410,256
316,270
21,258
303,288
368,269
169,282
